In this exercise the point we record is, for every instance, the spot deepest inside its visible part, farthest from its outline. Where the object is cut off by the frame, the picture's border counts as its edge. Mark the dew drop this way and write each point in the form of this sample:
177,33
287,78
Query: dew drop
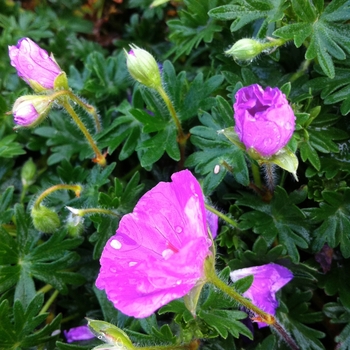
178,282
268,141
178,229
288,126
30,66
132,263
167,253
115,244
113,270
216,169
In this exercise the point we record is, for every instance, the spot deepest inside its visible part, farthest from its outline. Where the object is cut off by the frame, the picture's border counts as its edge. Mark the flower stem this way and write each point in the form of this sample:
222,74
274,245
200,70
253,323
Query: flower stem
76,188
45,289
256,175
88,108
90,211
193,345
100,158
49,302
221,215
181,136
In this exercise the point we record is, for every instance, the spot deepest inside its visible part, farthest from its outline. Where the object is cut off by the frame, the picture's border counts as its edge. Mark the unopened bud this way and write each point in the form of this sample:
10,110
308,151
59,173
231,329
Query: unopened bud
110,334
245,49
28,173
45,219
30,110
75,225
143,67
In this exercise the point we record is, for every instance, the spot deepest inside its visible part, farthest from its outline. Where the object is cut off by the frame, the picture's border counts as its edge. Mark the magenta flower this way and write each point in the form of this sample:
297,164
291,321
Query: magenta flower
158,252
268,279
78,333
264,119
33,64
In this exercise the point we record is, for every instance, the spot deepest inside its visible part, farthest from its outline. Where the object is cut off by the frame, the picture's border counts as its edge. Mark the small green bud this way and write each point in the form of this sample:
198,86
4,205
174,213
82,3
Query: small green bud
28,173
110,334
245,49
143,67
44,219
75,225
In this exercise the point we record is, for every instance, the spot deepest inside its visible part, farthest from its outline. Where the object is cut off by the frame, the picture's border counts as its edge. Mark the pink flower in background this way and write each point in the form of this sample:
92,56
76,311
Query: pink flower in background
33,63
78,333
268,279
264,119
213,223
158,252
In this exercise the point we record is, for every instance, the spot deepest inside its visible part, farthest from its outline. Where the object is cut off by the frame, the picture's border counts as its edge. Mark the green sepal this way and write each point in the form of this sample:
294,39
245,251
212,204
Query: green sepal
285,159
61,82
192,297
110,334
231,135
36,86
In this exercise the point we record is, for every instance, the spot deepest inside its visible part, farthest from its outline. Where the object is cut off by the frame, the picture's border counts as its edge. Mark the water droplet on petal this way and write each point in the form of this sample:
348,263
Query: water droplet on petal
113,270
268,141
132,263
288,126
178,282
167,253
178,229
115,244
30,66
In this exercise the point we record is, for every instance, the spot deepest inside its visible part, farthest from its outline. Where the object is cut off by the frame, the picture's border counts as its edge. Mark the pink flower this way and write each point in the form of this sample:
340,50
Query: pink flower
268,279
78,333
33,64
158,252
264,119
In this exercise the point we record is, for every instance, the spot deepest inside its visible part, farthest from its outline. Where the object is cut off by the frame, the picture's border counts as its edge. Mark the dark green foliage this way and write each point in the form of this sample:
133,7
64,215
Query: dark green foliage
47,281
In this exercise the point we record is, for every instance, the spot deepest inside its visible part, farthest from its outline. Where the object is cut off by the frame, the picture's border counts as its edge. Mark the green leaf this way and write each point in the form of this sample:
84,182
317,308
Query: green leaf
21,327
327,36
333,214
217,155
281,219
9,148
193,26
246,11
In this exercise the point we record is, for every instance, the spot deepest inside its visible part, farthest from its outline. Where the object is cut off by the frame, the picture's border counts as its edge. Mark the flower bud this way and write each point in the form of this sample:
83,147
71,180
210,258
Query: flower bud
75,225
245,49
34,65
44,219
28,172
143,67
110,334
30,110
265,121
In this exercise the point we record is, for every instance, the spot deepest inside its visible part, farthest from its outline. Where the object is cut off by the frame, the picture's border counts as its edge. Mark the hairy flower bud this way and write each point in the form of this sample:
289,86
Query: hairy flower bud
30,110
28,172
265,121
44,219
245,49
34,65
143,67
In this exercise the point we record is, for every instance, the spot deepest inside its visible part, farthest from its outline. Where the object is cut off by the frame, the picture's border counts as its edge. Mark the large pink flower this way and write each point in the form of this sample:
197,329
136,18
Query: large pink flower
158,252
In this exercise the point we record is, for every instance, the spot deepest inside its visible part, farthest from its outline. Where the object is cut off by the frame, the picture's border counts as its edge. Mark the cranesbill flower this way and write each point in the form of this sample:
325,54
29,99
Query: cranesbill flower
268,279
78,333
33,64
158,252
264,120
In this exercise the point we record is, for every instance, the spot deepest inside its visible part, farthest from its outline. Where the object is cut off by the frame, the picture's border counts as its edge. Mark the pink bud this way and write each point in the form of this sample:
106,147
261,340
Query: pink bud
264,119
33,64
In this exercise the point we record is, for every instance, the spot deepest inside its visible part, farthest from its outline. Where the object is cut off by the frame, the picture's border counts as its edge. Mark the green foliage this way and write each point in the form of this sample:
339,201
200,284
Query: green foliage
19,325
